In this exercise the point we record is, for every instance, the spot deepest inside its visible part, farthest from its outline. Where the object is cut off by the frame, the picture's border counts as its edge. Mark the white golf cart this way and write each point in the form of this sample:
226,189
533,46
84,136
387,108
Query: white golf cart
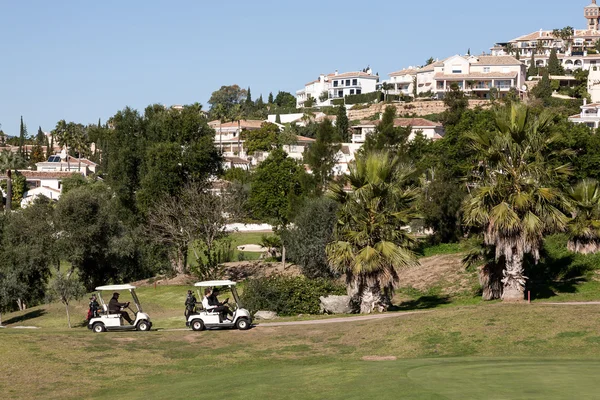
202,319
114,322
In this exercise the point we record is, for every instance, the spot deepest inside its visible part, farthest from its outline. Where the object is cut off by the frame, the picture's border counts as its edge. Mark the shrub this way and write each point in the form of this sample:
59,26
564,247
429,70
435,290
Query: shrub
364,98
288,295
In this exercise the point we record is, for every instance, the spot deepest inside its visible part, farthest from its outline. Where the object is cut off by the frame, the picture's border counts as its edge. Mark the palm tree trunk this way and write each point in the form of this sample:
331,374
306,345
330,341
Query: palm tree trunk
371,299
8,190
490,279
514,280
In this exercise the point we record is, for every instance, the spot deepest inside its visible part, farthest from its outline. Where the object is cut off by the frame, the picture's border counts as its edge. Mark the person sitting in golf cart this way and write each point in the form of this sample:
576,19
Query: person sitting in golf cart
114,307
210,302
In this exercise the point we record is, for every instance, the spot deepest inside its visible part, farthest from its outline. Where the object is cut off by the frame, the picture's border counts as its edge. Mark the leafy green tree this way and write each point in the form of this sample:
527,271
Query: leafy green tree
322,155
456,103
73,182
554,66
263,139
278,118
228,97
10,162
91,236
515,201
67,287
285,100
260,103
308,237
19,187
429,61
440,206
342,125
543,90
26,253
277,183
387,136
370,245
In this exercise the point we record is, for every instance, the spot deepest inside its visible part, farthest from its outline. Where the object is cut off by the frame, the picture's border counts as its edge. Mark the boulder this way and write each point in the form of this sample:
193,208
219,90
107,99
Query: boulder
336,305
266,315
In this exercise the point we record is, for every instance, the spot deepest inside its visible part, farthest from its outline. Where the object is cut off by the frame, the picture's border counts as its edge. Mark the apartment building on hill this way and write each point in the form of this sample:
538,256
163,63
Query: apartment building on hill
336,86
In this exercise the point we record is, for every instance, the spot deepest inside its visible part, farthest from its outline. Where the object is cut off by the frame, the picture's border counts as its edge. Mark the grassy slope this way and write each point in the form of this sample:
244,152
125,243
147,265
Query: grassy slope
532,352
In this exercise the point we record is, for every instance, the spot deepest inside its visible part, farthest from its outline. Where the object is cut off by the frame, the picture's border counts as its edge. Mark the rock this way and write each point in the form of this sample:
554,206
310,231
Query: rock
335,305
265,315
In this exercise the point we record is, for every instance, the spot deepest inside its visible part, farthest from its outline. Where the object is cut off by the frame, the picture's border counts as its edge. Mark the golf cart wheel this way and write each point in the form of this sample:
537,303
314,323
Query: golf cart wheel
197,325
242,324
98,327
143,326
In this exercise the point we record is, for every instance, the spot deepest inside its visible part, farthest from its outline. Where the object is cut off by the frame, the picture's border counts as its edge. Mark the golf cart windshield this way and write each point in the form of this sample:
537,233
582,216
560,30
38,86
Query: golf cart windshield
226,283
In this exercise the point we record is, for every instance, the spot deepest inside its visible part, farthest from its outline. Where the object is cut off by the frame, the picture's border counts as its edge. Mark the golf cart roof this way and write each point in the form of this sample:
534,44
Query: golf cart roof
115,287
215,283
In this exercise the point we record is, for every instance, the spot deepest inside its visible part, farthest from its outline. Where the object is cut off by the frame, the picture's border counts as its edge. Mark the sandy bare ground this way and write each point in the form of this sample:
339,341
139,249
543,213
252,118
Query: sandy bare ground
444,271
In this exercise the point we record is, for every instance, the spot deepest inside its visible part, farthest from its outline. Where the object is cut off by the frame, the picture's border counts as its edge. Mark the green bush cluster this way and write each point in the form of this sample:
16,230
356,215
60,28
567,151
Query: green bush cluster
288,295
363,98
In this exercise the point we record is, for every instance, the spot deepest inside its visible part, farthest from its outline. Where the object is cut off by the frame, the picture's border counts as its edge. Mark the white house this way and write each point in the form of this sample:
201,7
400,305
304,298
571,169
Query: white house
403,81
47,183
429,129
63,163
336,86
589,115
476,75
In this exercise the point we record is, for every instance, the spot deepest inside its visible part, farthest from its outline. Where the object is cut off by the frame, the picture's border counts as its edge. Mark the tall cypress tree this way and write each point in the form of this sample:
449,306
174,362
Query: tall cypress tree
554,67
271,98
22,134
532,70
341,124
249,96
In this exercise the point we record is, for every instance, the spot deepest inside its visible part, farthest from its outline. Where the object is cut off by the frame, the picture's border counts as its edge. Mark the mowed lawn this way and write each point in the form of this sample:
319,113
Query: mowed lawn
491,351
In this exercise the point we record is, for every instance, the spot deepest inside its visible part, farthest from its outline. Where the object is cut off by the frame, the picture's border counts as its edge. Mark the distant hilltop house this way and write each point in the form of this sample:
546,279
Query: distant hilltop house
589,115
333,86
47,179
476,75
228,138
429,129
576,49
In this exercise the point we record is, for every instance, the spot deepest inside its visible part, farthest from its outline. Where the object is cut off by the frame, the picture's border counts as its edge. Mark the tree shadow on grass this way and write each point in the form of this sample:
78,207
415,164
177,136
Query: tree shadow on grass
25,317
422,303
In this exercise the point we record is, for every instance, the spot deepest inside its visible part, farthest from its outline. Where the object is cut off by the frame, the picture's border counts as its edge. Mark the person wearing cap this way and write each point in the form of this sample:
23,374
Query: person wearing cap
114,307
190,304
211,303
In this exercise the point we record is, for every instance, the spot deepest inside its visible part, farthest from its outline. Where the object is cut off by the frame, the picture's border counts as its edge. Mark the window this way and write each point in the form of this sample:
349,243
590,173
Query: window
486,69
335,83
340,93
457,69
358,91
351,91
354,82
347,82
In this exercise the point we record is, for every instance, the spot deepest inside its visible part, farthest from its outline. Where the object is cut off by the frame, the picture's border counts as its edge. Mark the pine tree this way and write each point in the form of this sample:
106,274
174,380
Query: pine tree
271,98
249,96
40,137
342,124
260,102
99,123
554,67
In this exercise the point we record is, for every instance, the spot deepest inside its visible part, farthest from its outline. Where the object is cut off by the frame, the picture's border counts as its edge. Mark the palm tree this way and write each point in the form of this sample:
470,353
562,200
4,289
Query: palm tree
479,255
514,201
540,47
78,140
10,161
370,243
509,48
584,228
63,137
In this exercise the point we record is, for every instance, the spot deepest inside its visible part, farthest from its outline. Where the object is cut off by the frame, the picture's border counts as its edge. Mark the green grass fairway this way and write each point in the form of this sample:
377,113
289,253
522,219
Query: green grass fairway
453,379
491,351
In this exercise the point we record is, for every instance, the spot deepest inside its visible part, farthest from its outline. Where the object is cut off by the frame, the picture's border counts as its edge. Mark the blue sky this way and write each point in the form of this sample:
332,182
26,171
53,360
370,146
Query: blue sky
83,60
